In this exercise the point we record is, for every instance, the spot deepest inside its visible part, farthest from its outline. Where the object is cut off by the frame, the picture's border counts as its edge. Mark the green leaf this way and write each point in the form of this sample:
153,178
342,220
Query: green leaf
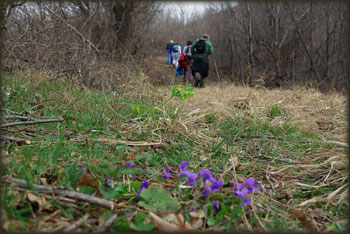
105,171
211,221
111,193
157,199
139,223
127,171
237,212
120,225
135,185
86,190
142,157
182,92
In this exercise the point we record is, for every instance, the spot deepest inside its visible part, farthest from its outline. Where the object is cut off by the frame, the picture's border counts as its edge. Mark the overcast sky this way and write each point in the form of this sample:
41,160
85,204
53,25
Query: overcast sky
189,6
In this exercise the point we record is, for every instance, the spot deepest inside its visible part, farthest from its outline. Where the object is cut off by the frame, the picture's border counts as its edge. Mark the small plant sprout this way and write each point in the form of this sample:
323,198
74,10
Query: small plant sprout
180,92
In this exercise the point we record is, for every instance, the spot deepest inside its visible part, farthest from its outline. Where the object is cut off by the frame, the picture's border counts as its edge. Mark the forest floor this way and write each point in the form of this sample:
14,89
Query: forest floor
105,145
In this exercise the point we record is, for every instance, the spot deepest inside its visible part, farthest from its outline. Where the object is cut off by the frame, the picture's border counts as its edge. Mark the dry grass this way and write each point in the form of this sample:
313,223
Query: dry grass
308,109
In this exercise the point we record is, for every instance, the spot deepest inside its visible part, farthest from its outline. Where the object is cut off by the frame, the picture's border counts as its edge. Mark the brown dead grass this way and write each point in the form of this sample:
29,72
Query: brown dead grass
310,110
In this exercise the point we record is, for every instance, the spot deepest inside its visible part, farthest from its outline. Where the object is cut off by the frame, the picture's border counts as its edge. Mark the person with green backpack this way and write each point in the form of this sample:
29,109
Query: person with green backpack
201,49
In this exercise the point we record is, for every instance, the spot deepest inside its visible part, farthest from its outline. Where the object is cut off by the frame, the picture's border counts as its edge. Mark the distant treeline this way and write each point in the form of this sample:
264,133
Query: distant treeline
271,44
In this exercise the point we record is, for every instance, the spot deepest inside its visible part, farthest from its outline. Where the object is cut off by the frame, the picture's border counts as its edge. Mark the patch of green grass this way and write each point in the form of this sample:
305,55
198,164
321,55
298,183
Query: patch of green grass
276,111
55,156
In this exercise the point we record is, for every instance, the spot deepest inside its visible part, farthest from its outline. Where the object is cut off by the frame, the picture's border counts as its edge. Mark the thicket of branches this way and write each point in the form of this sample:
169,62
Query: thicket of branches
81,39
255,43
272,43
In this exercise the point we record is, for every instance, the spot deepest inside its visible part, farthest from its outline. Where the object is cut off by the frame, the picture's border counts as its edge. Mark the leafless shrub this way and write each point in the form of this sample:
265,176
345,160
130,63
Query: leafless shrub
79,40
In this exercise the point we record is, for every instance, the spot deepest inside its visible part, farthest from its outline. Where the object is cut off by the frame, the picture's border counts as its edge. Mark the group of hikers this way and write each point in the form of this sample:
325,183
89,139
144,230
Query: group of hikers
193,61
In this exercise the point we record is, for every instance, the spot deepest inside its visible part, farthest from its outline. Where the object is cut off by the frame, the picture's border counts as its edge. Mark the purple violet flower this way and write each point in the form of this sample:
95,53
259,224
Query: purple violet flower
215,205
215,184
238,186
191,178
207,190
143,185
182,168
107,180
206,174
252,186
241,193
183,165
166,174
128,164
246,202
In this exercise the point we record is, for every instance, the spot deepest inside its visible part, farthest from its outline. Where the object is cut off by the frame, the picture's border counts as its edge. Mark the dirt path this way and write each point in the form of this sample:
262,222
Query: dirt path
162,73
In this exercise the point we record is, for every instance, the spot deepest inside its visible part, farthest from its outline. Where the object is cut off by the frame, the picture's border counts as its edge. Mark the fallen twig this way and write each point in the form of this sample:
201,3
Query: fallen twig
71,194
77,224
10,111
12,139
18,117
107,224
31,122
56,229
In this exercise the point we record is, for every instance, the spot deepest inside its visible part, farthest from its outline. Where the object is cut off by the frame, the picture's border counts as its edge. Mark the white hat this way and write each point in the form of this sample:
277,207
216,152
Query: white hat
171,41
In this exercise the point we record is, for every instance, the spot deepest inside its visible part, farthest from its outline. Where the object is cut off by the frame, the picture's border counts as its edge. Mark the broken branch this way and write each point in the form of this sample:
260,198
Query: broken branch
31,122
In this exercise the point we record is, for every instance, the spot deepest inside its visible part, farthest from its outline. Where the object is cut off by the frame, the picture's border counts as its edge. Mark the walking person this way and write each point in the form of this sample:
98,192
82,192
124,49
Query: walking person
201,49
176,51
169,48
185,62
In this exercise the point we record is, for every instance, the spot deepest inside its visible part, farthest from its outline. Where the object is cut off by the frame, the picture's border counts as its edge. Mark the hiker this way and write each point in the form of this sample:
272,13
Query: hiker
185,62
176,51
200,50
169,48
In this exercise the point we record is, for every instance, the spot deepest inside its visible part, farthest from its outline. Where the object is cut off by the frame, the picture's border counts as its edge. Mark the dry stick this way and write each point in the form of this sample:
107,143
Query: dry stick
18,117
271,184
77,224
71,194
11,139
107,224
10,111
31,122
56,229
257,218
75,30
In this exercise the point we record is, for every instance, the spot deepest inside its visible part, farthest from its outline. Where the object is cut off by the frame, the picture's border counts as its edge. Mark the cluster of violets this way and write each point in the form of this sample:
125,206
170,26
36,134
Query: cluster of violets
211,184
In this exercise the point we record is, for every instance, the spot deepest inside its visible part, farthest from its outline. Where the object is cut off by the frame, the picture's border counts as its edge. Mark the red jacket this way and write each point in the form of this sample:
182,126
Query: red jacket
183,61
